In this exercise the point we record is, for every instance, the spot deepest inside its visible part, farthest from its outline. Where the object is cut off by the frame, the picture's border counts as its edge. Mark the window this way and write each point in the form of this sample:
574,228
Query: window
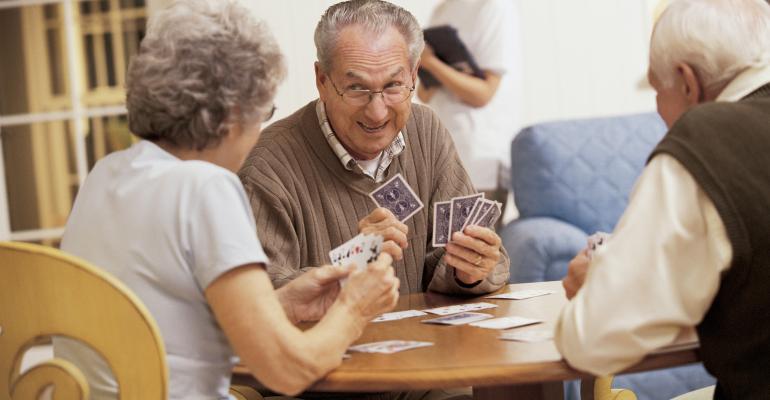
62,104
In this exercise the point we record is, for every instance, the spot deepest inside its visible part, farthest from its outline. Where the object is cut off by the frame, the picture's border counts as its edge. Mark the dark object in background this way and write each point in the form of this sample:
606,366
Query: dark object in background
451,50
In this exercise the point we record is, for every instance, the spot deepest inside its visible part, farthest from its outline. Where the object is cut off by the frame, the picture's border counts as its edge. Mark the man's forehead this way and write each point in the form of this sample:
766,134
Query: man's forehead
393,72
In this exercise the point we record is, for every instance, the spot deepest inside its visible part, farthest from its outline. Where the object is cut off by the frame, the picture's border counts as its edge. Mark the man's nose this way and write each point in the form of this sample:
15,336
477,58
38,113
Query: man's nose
376,110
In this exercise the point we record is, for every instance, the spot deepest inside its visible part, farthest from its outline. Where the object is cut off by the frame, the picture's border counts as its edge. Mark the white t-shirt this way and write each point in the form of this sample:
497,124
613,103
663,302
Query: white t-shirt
166,228
490,31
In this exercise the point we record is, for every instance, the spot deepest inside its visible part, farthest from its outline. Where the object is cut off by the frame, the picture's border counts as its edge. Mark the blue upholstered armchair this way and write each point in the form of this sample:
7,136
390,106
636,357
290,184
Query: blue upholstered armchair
571,179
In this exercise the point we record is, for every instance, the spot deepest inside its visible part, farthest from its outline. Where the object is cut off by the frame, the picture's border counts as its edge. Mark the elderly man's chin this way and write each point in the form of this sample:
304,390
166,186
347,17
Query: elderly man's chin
372,142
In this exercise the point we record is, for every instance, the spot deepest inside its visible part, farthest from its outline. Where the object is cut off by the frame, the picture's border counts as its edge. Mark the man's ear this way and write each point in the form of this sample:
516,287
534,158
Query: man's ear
693,90
414,74
320,80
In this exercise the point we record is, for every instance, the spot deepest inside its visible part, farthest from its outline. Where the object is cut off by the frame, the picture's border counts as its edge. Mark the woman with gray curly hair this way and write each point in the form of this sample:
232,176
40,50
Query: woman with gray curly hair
171,220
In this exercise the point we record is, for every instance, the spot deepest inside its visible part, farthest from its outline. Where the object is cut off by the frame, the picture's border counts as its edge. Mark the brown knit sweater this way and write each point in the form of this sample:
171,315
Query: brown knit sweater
306,203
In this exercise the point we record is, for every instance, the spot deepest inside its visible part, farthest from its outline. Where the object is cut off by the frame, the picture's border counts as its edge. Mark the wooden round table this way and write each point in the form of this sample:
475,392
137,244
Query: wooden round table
468,356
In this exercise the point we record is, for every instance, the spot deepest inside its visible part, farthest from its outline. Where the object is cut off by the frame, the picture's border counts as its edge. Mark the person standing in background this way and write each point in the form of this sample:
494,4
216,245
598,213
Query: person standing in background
482,115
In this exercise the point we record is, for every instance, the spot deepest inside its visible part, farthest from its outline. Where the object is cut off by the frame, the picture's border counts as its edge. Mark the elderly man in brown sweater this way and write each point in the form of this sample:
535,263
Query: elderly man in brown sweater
310,175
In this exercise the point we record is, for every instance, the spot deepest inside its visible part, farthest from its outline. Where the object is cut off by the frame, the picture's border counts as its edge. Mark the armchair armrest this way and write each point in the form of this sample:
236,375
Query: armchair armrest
540,248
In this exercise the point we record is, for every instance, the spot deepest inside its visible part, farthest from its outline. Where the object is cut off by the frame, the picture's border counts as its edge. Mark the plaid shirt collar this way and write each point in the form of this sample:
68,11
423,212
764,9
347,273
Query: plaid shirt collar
350,163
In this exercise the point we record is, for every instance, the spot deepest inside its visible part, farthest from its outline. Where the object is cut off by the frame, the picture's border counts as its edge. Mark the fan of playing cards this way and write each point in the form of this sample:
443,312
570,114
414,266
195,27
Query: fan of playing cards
361,250
454,215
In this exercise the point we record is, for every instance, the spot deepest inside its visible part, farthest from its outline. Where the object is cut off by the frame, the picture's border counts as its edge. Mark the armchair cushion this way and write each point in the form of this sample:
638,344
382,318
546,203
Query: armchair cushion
542,247
581,171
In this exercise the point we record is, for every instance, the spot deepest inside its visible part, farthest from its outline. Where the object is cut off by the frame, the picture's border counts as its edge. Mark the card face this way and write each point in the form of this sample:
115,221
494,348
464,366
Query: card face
521,294
461,209
398,197
532,336
458,319
360,251
459,308
441,223
506,322
392,316
389,346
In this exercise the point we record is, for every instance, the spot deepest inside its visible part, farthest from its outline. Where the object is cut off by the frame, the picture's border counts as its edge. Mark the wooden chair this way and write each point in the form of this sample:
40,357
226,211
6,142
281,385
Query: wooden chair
45,292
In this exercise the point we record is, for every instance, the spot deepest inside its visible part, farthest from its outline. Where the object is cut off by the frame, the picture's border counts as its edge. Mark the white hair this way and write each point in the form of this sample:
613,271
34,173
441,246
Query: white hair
200,61
374,16
717,38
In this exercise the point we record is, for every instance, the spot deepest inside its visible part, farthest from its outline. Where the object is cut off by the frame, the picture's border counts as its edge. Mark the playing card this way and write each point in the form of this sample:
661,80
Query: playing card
521,294
360,251
528,336
458,308
483,209
441,223
392,316
489,219
474,212
398,197
461,208
388,346
596,240
458,319
505,322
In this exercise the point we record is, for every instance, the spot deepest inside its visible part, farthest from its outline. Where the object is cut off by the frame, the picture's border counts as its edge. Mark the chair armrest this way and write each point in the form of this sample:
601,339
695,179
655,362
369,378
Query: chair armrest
540,248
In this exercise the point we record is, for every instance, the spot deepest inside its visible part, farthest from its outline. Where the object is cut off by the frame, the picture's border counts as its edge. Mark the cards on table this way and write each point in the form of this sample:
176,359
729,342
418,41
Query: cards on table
530,336
458,319
454,215
459,308
396,315
398,197
506,322
388,346
521,294
361,250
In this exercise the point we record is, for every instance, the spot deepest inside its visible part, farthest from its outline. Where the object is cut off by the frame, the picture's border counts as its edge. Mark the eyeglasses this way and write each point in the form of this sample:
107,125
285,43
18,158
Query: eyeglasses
391,95
270,114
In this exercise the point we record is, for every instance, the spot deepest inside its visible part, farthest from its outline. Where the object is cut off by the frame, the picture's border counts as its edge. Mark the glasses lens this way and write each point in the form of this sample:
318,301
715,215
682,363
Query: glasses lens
357,97
395,94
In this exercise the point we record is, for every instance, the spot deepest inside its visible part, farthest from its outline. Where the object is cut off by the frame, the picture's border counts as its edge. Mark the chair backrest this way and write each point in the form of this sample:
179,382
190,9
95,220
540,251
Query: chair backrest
582,171
45,292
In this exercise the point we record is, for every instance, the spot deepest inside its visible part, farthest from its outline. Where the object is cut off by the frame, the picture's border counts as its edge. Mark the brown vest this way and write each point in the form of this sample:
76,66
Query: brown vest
726,148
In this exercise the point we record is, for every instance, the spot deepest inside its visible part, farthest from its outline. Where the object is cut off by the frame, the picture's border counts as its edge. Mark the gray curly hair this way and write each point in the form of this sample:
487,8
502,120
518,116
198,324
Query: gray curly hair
374,16
202,66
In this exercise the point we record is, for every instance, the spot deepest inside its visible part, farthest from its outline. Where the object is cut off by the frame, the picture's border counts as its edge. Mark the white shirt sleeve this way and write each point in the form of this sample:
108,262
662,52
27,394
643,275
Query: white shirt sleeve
657,275
222,230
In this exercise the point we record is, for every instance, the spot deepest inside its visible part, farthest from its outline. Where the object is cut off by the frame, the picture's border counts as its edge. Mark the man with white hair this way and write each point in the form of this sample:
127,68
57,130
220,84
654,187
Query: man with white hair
691,249
310,174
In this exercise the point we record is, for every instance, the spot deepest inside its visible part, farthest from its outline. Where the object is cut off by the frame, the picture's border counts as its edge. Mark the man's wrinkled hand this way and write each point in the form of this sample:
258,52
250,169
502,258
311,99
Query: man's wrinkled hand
382,222
473,253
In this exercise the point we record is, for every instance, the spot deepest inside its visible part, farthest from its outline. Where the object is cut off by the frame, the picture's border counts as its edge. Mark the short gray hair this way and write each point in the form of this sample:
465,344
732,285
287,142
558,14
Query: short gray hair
202,66
718,38
374,16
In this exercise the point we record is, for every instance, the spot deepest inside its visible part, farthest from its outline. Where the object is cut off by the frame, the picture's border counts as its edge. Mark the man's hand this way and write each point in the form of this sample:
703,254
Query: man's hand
372,291
576,273
382,222
307,297
473,253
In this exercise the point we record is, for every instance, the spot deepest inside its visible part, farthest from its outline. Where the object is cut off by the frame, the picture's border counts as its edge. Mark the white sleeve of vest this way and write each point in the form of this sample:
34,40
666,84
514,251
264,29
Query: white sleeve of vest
657,275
